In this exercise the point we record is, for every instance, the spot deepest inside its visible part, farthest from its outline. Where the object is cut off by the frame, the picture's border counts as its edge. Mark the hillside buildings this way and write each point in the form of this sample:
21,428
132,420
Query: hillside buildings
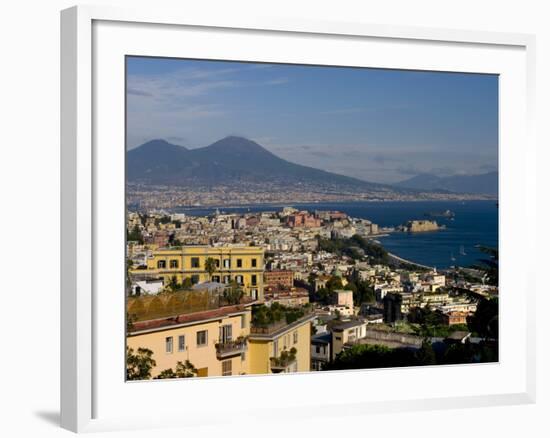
194,284
214,341
223,340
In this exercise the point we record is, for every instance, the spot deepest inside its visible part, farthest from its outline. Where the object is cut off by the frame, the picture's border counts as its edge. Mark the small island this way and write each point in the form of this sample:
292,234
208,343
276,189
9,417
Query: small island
419,226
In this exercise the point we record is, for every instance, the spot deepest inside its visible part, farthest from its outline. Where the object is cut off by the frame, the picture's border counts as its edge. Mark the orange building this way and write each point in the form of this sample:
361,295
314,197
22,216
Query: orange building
278,279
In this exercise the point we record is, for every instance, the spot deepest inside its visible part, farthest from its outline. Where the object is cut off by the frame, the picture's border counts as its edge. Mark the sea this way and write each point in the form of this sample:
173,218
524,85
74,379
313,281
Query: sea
475,224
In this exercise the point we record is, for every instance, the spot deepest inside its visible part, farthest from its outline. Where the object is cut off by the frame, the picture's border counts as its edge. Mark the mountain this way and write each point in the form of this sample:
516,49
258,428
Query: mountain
156,157
486,183
228,161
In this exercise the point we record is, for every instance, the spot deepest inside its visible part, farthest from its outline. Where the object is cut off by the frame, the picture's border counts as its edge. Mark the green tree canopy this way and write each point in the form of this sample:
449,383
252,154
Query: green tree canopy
485,319
183,370
140,364
210,266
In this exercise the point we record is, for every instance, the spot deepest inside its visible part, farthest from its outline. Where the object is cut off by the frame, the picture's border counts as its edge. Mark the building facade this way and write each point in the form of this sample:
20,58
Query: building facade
279,279
243,264
271,348
346,332
214,341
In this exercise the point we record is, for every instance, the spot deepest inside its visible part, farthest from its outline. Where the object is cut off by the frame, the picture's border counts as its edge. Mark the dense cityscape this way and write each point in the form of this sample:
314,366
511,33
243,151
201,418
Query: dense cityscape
288,218
295,291
144,196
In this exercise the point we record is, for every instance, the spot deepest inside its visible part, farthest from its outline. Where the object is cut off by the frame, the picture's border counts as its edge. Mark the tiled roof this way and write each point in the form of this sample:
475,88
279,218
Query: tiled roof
186,318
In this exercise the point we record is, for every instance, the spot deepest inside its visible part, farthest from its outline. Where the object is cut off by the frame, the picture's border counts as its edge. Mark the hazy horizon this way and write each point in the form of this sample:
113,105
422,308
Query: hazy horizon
376,125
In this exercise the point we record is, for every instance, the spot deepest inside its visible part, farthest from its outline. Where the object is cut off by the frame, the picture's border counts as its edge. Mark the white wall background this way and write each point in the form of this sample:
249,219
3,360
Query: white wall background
29,218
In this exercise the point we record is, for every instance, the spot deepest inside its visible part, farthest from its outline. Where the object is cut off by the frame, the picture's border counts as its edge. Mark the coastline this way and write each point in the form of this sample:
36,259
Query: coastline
402,260
474,225
313,203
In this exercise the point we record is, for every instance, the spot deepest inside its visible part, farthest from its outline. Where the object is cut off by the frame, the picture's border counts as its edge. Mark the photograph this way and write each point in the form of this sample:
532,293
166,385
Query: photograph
293,218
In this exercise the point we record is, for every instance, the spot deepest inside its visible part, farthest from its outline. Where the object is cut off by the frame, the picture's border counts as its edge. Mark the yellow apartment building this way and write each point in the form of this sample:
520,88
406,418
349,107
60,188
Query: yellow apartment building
243,264
268,347
214,341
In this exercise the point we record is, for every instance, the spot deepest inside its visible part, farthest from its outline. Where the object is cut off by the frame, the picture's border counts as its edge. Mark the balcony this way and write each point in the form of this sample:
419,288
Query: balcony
285,361
260,327
229,349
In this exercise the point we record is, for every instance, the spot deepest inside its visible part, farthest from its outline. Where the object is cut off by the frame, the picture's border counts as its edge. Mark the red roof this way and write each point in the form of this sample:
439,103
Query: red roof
186,318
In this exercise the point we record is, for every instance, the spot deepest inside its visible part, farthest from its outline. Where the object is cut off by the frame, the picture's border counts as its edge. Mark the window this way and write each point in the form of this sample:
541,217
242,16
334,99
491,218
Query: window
226,279
169,344
254,294
195,262
295,337
239,279
227,263
173,264
317,349
195,279
226,368
181,343
254,280
243,321
202,338
161,264
217,263
226,333
275,348
243,356
239,263
254,263
216,278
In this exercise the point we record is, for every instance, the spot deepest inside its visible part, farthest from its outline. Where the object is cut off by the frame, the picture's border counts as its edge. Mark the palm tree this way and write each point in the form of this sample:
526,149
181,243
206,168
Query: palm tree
210,267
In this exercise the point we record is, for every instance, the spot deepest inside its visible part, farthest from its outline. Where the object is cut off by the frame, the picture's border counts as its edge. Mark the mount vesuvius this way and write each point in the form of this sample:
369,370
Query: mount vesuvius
231,160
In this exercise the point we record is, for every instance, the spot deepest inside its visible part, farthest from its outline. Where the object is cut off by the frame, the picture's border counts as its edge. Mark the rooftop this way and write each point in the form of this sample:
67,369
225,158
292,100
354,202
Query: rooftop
280,327
186,319
339,326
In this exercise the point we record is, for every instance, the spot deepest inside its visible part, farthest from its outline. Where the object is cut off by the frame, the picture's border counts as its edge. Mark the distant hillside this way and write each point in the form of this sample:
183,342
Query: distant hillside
228,161
486,183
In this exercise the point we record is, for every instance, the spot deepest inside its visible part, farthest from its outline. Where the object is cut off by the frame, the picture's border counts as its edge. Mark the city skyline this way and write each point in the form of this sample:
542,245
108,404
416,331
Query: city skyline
372,124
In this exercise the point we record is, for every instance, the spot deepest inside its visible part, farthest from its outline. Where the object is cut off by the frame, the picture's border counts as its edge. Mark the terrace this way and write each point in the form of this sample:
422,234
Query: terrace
268,321
285,361
231,348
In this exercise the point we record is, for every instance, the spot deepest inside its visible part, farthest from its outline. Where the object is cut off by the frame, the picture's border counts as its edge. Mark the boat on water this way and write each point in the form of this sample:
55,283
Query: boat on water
462,252
445,214
453,257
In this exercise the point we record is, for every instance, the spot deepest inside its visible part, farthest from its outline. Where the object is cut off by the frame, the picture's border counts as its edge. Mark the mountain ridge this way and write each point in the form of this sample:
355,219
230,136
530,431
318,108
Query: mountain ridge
230,159
485,183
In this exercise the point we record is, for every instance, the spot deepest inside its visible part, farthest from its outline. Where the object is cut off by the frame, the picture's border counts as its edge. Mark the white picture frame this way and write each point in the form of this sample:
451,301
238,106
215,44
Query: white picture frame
88,396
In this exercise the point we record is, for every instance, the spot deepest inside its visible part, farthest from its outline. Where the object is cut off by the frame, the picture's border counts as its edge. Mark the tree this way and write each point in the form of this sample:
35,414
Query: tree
334,283
210,266
134,235
173,284
363,292
322,295
183,370
129,265
485,319
489,265
139,365
234,293
426,354
187,283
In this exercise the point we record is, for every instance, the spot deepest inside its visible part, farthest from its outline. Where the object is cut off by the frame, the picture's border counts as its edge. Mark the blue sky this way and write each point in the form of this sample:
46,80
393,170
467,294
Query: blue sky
377,125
